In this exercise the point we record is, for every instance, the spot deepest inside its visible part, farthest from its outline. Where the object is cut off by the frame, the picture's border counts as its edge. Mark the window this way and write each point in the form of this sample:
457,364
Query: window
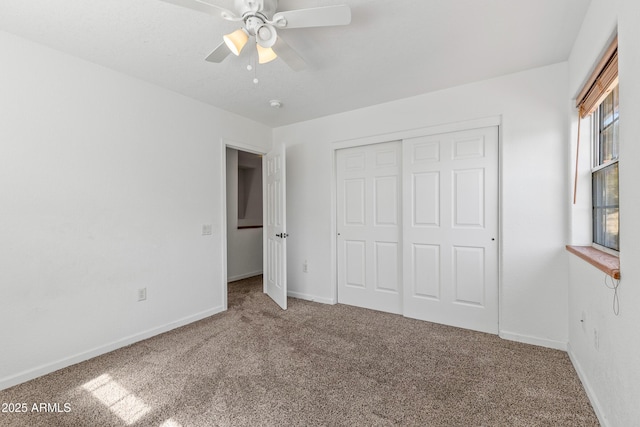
604,174
599,99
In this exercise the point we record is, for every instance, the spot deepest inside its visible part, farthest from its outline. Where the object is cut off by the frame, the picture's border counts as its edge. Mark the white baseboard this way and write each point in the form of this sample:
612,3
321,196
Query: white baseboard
243,276
97,351
526,339
308,297
595,403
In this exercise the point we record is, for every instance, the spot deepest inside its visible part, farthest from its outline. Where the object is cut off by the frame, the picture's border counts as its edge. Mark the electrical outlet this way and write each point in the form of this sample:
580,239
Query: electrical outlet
305,266
596,339
207,229
142,294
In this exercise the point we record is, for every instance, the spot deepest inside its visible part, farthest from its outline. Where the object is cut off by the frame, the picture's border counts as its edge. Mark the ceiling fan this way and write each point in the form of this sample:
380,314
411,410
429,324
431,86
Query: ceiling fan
261,21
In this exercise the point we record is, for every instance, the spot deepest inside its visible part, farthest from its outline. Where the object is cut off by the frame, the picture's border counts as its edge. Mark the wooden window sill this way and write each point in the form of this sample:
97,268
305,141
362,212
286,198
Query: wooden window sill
243,227
606,262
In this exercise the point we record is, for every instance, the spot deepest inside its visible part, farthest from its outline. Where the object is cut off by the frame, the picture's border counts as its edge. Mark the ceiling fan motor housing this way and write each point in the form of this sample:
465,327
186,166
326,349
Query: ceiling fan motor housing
266,8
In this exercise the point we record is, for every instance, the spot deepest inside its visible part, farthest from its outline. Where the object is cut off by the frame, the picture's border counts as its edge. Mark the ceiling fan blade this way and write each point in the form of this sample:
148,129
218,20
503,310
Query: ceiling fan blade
202,6
288,55
219,53
313,17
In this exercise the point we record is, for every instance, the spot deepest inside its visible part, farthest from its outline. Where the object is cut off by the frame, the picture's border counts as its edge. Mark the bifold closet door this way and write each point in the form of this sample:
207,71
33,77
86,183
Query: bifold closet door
450,217
369,227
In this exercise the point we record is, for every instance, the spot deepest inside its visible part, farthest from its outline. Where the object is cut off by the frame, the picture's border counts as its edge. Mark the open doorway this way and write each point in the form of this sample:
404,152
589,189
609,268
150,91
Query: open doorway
274,230
244,211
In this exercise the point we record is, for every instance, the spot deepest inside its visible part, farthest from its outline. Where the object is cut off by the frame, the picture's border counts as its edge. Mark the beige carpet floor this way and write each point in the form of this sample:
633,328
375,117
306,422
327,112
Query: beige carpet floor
312,365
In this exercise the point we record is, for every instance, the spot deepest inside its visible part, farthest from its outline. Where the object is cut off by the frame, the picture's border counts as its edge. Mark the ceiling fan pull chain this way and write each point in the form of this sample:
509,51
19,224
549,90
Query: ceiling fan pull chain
255,68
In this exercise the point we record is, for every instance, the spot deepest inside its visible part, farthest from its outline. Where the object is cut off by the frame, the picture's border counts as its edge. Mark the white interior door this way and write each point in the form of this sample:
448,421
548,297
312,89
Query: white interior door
368,218
275,238
450,217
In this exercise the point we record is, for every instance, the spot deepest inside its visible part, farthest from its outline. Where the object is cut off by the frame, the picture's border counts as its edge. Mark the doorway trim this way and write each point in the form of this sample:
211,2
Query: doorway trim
402,135
228,143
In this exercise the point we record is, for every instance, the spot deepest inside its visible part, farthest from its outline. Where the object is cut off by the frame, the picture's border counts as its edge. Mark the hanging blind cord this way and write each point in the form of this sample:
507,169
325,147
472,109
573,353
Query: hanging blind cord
575,180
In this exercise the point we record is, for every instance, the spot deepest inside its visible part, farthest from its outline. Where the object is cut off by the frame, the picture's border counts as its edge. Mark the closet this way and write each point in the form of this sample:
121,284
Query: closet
417,224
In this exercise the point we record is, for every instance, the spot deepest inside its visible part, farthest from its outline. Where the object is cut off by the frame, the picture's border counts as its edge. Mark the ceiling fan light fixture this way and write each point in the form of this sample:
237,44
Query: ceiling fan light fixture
265,54
266,35
236,41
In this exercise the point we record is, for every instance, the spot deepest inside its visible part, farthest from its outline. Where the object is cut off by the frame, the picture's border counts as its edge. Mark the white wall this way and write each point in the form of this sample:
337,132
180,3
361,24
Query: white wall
105,183
611,372
533,108
244,246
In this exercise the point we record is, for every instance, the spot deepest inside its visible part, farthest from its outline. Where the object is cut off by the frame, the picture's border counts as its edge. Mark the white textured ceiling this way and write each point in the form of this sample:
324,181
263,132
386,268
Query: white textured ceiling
392,49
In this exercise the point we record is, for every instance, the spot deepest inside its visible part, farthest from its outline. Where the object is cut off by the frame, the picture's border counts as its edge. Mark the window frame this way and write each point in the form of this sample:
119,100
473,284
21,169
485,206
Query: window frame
599,165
